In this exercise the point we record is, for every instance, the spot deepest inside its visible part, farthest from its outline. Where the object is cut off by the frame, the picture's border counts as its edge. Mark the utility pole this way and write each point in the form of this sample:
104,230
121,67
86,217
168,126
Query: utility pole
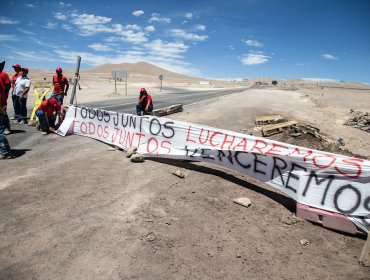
126,81
76,78
161,79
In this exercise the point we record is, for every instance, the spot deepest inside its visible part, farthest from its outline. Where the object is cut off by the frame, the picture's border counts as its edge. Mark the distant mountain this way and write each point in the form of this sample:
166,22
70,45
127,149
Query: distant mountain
139,69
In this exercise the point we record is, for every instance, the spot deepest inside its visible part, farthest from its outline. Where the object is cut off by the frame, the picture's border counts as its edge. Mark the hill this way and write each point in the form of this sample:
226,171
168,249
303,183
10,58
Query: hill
138,69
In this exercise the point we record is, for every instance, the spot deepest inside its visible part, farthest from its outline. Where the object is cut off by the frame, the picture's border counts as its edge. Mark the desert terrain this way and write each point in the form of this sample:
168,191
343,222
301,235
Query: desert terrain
75,208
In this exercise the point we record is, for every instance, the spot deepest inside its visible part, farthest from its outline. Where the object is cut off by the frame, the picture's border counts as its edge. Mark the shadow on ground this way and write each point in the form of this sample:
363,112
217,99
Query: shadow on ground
19,152
285,201
16,131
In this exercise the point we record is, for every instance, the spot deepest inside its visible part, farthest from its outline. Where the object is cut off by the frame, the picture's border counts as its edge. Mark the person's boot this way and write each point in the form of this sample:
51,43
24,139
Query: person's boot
6,156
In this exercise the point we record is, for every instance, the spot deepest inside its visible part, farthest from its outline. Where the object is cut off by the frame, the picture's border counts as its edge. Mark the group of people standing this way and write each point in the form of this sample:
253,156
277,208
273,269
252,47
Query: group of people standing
20,85
49,111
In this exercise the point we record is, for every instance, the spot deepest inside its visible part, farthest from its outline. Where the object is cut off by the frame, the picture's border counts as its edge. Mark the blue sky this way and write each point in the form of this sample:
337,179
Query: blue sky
214,39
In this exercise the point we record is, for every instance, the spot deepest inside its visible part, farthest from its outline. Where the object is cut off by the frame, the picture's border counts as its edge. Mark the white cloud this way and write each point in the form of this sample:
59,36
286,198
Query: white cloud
253,43
67,27
5,37
134,27
60,16
86,19
99,47
26,31
129,36
150,28
46,43
156,18
64,4
189,15
33,56
132,53
29,5
165,61
231,47
166,49
329,57
182,34
50,25
90,25
138,13
5,20
200,27
254,58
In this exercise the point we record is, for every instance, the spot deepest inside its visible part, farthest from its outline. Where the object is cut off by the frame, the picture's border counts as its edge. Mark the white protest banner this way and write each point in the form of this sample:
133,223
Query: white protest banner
319,179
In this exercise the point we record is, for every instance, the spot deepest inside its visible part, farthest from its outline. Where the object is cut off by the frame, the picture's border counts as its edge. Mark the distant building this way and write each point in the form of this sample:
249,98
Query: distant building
258,84
204,82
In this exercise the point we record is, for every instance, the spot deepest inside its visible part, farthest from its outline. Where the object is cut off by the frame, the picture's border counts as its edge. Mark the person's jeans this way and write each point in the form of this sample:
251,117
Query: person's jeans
16,107
42,120
6,121
4,144
140,108
23,108
58,97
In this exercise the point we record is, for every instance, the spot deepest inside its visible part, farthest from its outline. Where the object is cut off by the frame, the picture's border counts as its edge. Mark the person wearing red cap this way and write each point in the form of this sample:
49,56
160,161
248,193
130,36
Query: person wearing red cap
7,85
145,103
46,114
17,68
61,85
5,151
22,86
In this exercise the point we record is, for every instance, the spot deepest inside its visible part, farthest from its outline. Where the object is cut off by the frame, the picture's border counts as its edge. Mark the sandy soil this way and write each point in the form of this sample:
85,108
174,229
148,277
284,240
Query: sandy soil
74,208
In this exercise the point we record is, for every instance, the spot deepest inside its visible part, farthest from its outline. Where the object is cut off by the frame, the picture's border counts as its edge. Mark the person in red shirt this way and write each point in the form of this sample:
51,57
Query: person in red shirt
46,113
145,103
7,85
17,68
61,85
5,151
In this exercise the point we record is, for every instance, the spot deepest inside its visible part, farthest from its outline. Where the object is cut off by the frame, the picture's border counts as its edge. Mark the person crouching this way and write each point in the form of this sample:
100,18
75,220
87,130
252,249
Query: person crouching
46,113
145,103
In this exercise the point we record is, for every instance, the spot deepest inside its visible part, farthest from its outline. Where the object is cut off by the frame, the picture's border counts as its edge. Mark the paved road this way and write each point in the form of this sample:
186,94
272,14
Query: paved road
24,136
175,97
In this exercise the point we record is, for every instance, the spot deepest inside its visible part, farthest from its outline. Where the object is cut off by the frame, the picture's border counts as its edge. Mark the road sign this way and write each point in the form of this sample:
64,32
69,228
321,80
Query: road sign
119,74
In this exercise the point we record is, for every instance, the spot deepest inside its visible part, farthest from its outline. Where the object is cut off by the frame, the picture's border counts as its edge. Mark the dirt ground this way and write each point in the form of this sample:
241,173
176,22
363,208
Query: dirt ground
74,208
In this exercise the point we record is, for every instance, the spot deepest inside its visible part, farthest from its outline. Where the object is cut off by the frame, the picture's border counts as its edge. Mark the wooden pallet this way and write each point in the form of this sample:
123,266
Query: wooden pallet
271,129
168,110
268,119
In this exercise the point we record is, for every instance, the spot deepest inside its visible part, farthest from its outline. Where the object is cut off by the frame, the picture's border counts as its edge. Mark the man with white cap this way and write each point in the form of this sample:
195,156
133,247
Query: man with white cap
22,86
18,73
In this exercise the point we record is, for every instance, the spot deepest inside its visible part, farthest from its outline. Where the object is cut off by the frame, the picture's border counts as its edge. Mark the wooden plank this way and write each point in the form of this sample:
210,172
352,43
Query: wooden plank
271,129
168,110
267,119
365,254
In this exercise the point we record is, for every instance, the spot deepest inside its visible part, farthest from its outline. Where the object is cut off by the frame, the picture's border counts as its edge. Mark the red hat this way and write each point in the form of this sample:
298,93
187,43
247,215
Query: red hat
58,69
25,69
142,90
16,66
